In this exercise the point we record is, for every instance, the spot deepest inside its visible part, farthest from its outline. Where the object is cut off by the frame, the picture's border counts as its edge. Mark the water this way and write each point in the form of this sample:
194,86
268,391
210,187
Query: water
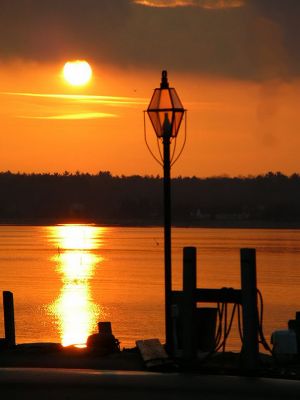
67,278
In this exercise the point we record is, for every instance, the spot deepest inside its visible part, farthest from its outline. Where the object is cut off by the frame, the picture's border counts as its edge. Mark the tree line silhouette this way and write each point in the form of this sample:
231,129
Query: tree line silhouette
272,199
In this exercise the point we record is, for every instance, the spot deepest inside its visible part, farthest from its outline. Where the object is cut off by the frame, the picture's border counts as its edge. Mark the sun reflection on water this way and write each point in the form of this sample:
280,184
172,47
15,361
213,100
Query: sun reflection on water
74,309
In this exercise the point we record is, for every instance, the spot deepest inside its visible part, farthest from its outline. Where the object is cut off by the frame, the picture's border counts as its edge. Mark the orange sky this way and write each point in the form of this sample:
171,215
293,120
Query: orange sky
235,65
234,127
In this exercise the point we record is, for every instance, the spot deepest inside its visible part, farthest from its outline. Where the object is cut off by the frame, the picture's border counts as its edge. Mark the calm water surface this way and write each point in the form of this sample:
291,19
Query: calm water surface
67,278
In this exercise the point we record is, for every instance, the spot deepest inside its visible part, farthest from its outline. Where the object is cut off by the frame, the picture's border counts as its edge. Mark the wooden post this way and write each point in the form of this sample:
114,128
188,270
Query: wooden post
104,328
296,327
249,306
189,304
9,318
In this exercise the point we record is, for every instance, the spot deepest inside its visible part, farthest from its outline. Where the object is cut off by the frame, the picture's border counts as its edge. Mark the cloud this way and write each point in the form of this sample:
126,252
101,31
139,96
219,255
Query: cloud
206,4
165,3
87,115
227,38
87,99
51,102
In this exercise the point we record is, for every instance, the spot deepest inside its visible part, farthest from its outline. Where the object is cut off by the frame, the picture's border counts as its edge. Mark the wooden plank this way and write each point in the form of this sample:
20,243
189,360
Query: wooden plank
223,295
226,295
153,353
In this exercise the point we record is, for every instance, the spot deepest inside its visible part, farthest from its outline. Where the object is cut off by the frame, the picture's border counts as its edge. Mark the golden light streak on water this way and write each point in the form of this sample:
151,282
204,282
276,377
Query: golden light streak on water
77,237
74,309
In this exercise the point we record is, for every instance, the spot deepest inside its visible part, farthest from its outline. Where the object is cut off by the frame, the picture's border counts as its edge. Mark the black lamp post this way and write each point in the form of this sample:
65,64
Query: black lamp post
166,113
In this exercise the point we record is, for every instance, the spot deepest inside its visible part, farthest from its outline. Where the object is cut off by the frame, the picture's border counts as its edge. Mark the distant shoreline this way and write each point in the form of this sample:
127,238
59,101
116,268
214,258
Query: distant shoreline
141,224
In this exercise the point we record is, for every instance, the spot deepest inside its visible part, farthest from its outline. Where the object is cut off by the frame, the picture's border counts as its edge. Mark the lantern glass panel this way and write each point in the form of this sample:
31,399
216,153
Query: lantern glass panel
165,99
156,122
178,115
175,99
154,103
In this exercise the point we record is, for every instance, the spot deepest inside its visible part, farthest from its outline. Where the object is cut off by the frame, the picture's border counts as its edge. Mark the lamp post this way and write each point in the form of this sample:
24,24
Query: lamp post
166,113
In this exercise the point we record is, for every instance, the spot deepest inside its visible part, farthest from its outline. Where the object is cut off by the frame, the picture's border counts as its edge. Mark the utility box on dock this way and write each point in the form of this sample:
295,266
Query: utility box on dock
284,343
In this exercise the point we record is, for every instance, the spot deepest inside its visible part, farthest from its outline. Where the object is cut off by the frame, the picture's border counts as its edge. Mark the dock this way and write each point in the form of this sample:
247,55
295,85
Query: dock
29,383
194,369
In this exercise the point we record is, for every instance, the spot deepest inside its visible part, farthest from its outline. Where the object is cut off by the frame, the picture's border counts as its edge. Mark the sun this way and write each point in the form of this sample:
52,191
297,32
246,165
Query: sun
78,72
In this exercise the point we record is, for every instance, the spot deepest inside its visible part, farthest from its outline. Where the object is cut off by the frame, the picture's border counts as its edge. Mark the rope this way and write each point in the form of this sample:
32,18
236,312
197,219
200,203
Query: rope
219,329
227,330
224,326
260,324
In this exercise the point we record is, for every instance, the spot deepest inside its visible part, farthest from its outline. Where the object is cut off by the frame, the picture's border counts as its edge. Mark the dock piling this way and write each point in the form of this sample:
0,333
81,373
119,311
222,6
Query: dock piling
189,303
250,312
9,318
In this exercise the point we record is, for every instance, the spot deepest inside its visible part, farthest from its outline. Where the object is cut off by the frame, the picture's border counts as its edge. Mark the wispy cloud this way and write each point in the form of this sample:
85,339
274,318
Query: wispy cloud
87,115
55,106
206,4
87,99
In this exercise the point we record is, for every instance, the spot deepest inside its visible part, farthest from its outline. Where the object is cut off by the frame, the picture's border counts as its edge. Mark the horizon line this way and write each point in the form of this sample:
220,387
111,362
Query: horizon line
108,173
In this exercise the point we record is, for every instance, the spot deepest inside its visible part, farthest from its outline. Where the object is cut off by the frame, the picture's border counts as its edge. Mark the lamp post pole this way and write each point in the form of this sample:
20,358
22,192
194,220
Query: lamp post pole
167,242
166,113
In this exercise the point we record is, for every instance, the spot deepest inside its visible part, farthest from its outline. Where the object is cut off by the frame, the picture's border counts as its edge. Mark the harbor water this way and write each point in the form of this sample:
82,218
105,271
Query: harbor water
66,278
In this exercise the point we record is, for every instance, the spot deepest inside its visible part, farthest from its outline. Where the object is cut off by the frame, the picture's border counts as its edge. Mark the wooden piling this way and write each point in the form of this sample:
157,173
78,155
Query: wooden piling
189,304
9,318
104,328
249,306
295,325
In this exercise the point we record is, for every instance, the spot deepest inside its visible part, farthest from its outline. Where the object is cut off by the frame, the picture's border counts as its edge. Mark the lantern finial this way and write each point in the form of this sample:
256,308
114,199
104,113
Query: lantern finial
164,80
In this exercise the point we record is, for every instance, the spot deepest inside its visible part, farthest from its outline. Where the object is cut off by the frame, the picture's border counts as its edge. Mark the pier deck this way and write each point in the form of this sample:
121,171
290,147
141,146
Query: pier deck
29,383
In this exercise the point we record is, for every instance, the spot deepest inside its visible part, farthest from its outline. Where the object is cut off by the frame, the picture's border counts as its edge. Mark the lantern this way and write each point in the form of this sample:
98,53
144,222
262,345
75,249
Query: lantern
165,110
